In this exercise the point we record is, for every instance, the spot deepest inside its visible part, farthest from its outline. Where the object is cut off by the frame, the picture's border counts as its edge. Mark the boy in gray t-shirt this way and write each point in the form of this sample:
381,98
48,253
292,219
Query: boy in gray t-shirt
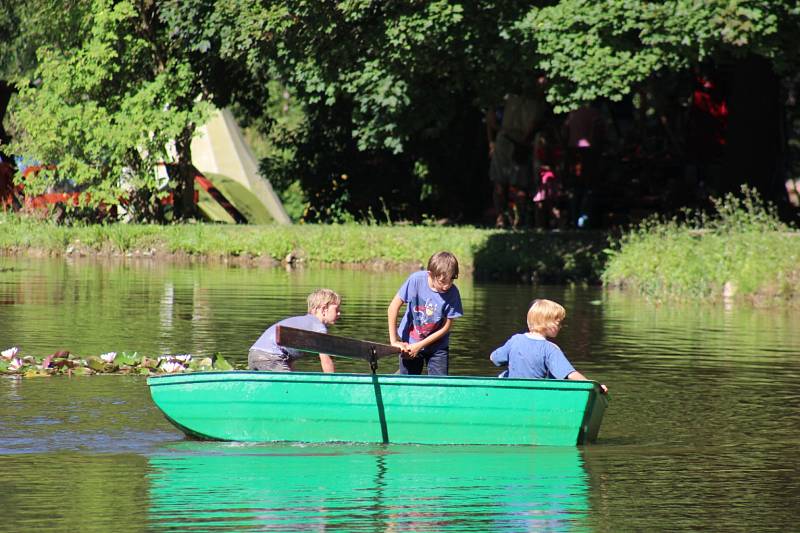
323,311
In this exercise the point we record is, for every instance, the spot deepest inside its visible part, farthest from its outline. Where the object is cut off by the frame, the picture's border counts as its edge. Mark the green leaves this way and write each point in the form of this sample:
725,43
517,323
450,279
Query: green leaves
604,48
108,363
106,110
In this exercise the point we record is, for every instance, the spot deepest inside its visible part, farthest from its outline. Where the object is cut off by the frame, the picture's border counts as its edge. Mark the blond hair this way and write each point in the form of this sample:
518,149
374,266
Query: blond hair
544,315
321,298
443,264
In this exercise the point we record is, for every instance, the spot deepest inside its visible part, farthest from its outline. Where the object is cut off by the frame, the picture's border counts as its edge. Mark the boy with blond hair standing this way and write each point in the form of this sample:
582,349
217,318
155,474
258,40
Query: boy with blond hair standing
433,302
531,355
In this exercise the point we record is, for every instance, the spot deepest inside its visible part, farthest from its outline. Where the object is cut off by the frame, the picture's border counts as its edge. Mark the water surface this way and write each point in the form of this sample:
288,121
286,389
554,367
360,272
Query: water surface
701,433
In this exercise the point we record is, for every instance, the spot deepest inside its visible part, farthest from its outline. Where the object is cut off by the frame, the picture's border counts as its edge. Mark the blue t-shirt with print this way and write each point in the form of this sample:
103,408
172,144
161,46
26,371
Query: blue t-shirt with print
426,310
266,342
528,357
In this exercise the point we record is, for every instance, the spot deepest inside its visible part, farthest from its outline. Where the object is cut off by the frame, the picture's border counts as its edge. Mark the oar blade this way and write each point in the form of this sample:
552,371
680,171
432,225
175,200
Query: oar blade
311,341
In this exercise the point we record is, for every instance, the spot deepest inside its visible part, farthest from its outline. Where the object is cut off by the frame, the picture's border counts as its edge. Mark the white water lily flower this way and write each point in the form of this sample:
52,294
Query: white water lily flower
183,358
10,353
108,357
15,364
171,366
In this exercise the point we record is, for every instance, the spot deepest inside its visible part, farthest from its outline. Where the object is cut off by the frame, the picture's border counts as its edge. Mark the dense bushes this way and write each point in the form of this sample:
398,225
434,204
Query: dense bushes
741,251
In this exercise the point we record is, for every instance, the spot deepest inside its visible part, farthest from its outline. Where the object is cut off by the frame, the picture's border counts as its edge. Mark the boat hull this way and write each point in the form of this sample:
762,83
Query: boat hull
313,407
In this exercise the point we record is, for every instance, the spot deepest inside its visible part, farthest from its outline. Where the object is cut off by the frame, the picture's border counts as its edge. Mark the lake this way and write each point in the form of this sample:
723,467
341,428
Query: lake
701,433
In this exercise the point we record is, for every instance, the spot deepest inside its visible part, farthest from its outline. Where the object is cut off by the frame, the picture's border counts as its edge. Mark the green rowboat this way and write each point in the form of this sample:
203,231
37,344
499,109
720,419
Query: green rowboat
250,406
314,407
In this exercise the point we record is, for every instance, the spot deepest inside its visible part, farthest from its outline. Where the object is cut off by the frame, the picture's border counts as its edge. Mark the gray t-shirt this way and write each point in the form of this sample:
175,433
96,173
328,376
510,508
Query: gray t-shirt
532,358
266,342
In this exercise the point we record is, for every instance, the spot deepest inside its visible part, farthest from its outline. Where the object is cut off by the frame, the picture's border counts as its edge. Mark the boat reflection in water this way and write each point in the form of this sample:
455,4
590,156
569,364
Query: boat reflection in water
211,486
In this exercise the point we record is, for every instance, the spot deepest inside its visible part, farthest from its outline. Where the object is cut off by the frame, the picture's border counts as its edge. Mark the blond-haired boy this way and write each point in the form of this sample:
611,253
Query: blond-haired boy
323,311
531,355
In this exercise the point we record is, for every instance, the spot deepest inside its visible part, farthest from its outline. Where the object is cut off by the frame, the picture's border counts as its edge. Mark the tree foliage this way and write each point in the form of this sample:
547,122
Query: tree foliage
104,113
391,92
367,103
597,49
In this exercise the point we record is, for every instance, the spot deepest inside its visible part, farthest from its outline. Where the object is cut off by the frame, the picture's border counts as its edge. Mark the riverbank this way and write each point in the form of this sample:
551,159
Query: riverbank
741,252
527,256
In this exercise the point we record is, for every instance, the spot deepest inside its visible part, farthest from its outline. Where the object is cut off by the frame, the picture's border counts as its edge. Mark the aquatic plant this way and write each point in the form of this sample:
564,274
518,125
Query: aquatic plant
740,251
66,363
10,353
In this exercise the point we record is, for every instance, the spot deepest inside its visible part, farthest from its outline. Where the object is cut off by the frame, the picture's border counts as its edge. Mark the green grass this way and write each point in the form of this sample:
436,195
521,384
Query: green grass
742,251
488,253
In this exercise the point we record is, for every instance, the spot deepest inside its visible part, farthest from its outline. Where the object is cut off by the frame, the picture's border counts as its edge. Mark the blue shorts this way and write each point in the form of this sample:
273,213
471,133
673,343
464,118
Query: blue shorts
436,360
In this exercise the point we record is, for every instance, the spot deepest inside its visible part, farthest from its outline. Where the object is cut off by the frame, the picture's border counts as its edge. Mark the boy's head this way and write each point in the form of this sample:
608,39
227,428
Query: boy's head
443,269
324,303
545,317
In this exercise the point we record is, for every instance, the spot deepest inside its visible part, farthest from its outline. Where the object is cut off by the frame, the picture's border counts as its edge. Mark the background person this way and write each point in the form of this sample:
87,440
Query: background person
510,135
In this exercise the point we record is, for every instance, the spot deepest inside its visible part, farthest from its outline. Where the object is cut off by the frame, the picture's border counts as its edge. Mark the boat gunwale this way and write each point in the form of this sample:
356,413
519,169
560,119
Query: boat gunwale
368,379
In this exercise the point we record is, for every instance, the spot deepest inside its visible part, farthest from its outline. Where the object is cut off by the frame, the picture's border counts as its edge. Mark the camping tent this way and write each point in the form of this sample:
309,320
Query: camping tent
220,152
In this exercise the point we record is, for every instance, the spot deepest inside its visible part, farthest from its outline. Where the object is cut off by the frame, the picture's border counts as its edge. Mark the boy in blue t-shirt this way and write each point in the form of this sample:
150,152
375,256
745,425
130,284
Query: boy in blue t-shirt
531,355
433,302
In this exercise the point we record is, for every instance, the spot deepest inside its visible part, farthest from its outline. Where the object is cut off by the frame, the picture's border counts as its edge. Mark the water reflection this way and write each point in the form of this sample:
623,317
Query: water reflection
217,487
701,433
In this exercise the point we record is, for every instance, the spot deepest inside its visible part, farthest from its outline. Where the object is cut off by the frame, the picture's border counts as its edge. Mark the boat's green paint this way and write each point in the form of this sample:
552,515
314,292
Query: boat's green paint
202,486
314,407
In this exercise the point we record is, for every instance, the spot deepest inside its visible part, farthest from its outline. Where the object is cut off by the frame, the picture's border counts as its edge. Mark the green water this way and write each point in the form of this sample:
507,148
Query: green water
701,433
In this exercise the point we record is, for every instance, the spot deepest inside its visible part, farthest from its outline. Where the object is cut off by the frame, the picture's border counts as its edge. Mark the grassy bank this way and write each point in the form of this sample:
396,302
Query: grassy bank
486,253
740,252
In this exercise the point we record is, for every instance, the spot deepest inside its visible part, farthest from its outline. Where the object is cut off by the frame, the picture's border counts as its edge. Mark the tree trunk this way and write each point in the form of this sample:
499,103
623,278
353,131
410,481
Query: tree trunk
6,90
184,173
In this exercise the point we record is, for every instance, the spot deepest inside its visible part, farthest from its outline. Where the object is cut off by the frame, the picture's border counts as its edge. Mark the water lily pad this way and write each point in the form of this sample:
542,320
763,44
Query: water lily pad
95,363
147,362
200,364
126,359
36,373
220,363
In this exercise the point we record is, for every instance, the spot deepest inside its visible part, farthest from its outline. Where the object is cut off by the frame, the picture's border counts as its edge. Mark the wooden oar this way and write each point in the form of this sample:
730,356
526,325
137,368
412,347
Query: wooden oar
311,341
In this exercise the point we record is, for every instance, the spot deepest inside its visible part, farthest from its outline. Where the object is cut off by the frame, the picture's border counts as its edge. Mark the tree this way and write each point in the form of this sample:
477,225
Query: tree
401,94
105,111
609,48
392,93
24,25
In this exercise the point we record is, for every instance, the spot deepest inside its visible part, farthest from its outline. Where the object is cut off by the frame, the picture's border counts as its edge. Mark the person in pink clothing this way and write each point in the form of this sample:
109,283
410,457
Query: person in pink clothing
547,196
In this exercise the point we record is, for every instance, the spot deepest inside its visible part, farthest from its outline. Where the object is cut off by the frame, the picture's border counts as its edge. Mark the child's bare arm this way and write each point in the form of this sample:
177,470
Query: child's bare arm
392,312
430,339
577,376
327,363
